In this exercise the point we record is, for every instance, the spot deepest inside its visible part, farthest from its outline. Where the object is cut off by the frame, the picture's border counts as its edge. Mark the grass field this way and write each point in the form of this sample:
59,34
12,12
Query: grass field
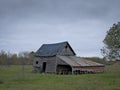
13,78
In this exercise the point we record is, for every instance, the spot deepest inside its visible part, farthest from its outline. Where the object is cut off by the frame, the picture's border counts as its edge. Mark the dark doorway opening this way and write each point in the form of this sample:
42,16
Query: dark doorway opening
64,69
44,67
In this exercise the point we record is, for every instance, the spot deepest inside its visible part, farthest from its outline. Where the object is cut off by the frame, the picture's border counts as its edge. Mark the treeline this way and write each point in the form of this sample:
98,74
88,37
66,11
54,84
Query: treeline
100,60
24,58
96,59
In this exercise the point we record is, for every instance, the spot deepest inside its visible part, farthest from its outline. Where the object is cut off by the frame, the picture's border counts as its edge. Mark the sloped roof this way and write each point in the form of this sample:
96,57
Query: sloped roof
51,49
77,61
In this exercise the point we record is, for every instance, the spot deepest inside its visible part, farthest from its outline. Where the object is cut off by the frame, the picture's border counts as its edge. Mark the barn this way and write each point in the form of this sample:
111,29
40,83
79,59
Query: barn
60,58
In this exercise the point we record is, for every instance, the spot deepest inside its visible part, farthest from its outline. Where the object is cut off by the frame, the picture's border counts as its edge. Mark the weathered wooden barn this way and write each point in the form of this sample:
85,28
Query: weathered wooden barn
60,58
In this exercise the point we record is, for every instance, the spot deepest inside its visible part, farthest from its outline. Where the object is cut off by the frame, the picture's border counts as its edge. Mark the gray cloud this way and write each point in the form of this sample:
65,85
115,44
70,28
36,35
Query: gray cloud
59,8
26,24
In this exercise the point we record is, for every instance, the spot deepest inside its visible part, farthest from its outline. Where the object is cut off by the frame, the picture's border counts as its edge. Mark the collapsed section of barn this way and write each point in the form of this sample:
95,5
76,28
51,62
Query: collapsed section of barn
60,58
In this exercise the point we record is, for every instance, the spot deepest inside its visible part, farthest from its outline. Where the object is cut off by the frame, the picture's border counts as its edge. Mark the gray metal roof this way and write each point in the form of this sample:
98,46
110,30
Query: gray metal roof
51,49
77,61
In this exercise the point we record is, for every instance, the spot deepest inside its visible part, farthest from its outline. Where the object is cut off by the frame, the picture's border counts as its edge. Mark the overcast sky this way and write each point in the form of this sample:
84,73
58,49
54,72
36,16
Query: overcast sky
27,24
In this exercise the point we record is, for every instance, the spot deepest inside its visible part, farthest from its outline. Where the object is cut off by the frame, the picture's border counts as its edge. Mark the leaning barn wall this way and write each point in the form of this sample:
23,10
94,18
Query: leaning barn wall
50,64
90,68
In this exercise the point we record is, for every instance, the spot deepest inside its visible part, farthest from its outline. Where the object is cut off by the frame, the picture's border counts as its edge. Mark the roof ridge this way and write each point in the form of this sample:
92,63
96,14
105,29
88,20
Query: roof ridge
52,49
56,43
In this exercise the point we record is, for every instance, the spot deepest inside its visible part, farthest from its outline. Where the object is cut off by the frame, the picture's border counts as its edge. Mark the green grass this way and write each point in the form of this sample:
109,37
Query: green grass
12,78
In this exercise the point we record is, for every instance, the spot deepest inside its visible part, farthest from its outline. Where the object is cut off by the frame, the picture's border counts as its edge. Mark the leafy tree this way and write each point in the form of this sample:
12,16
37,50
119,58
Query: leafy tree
3,58
111,50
